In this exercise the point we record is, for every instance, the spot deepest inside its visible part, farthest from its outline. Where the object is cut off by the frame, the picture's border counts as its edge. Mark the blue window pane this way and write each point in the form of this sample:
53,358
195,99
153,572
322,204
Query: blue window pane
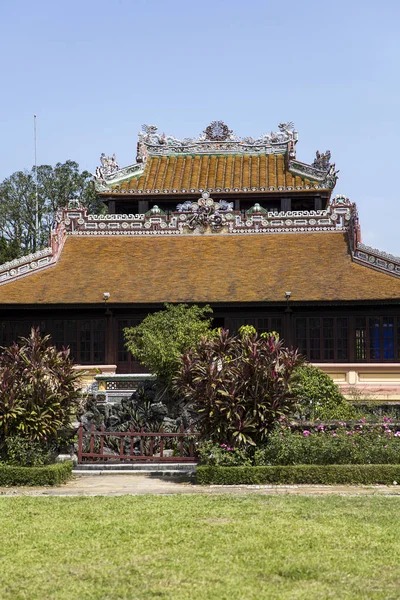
374,339
388,338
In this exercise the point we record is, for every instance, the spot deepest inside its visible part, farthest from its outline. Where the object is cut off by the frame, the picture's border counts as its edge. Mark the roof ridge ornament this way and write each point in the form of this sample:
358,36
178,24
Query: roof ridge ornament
216,138
109,166
322,161
218,131
205,213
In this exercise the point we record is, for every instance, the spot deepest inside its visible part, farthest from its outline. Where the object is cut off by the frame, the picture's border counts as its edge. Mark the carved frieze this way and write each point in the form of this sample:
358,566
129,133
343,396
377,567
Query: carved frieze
206,216
27,264
377,259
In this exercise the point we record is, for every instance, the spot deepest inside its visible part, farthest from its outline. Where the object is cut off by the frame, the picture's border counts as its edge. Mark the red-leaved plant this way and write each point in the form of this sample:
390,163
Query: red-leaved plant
39,390
239,385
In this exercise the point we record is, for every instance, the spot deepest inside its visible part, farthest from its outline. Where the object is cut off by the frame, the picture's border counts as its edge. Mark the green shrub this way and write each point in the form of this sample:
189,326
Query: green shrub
223,455
361,444
319,397
25,452
300,474
46,475
160,339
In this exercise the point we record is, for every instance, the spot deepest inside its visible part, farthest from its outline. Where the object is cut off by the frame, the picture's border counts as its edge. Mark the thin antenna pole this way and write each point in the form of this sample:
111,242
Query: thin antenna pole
36,185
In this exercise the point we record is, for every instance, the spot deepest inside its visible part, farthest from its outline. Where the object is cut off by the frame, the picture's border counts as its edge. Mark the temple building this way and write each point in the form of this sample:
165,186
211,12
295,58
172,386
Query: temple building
238,223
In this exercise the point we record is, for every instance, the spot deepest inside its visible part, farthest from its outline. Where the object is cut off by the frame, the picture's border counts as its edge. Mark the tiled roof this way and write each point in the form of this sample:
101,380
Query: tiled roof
233,172
209,268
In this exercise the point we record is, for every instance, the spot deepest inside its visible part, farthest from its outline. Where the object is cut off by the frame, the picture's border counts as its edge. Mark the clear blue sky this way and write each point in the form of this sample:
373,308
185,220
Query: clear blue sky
94,71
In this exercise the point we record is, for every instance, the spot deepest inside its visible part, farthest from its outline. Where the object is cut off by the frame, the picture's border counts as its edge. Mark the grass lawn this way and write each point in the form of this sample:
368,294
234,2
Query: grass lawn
200,547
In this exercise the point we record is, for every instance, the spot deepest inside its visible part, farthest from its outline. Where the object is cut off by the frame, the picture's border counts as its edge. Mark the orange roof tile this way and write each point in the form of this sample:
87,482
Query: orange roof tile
209,268
210,171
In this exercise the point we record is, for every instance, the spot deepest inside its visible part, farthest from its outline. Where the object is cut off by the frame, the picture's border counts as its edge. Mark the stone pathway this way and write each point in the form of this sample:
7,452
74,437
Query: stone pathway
118,485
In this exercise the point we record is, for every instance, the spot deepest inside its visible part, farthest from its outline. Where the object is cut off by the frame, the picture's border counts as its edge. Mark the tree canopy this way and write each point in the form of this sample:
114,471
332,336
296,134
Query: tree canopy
56,186
162,337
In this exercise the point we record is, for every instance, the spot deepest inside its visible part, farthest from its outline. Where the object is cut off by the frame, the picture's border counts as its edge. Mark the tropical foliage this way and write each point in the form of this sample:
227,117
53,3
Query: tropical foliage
39,392
239,385
139,411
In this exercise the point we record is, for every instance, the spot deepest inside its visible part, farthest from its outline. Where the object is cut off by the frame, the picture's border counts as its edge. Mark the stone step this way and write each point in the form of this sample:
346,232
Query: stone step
136,466
171,473
181,471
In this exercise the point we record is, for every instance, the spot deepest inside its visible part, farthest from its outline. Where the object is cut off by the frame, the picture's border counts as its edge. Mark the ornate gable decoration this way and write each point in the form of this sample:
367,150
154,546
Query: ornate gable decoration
110,173
205,213
321,170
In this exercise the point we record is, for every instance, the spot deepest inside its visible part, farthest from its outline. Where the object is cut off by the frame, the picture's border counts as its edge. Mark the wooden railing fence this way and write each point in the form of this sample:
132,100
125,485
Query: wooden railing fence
131,445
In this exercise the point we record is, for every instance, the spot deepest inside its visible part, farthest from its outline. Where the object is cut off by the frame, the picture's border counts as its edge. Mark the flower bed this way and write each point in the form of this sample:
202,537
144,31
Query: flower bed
336,443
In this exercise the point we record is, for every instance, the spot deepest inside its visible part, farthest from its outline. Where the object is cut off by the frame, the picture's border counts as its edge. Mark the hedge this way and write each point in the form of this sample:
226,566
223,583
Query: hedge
47,475
297,474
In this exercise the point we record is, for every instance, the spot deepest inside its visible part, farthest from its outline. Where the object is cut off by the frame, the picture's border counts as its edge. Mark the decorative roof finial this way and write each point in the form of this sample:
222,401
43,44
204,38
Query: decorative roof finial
218,131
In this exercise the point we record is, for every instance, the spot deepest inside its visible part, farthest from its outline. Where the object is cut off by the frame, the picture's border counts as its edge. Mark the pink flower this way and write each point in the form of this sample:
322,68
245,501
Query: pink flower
306,433
362,420
334,434
320,428
349,433
397,434
224,446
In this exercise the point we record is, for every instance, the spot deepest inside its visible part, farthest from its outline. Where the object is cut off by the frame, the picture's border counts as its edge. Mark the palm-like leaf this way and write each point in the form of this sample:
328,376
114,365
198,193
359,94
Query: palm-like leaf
238,384
39,388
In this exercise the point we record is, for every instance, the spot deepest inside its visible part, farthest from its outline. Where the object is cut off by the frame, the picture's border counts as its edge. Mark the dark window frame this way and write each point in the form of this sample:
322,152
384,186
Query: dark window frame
367,338
311,340
124,359
377,338
64,333
263,324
